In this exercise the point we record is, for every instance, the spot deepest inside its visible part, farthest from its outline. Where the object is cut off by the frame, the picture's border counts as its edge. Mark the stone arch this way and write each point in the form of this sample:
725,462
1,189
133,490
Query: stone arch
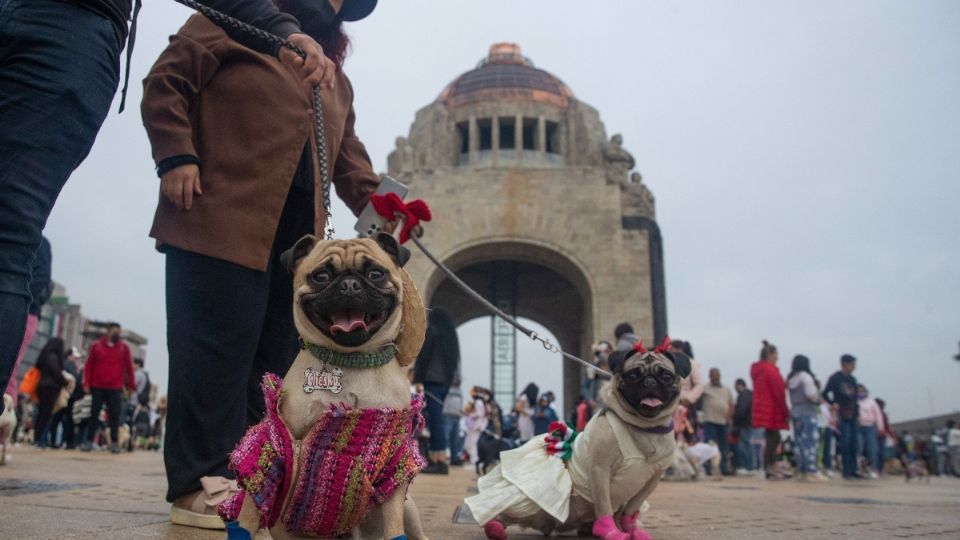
552,288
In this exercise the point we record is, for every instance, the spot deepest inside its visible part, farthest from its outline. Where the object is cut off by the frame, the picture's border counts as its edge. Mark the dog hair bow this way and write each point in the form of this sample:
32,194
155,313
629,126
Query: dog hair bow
414,212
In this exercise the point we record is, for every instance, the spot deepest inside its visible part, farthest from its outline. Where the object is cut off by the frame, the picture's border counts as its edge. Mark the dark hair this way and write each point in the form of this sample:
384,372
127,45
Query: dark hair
621,329
55,349
801,364
767,349
334,41
530,392
112,325
740,381
848,359
138,361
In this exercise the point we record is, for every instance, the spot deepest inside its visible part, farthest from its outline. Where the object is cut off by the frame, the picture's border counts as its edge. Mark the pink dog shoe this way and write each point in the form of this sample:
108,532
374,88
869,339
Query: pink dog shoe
495,530
606,529
640,534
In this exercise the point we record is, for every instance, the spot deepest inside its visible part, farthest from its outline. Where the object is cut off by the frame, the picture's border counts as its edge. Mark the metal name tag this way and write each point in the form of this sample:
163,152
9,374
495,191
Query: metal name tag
323,379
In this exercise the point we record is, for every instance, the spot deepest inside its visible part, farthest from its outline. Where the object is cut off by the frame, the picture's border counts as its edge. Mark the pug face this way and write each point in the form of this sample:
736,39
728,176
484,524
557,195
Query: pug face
348,294
649,385
649,381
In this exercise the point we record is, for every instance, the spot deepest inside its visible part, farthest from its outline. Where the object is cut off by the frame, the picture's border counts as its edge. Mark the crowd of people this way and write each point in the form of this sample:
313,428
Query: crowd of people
103,400
791,426
831,428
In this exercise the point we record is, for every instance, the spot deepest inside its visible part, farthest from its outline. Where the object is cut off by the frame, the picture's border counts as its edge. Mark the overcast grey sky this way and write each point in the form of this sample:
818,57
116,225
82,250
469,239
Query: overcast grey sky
805,157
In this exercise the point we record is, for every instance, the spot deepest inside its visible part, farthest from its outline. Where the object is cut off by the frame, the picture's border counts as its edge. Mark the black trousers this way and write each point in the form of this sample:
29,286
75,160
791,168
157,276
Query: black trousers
112,398
47,397
227,325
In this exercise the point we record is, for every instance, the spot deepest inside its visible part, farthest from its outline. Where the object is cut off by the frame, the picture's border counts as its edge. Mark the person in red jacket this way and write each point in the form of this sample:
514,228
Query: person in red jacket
108,370
769,406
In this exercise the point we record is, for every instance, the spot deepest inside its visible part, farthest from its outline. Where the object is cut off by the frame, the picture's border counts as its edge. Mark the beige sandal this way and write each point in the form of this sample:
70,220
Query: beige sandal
199,509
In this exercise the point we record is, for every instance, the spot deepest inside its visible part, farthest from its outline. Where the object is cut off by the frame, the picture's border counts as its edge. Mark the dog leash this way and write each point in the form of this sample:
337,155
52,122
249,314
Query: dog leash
225,21
547,344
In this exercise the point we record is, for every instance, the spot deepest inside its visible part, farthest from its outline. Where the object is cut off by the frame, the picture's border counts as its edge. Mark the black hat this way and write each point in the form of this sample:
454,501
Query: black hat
354,10
847,359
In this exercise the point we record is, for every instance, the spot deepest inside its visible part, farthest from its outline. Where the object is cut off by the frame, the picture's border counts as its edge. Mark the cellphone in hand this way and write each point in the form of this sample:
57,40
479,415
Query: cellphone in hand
370,222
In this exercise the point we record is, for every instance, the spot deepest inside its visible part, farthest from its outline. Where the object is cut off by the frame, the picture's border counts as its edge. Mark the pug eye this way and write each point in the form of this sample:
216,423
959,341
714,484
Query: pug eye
632,375
666,377
320,278
376,275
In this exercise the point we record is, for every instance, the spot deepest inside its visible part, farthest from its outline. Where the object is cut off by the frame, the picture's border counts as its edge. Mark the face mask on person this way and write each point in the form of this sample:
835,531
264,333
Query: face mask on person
315,16
114,338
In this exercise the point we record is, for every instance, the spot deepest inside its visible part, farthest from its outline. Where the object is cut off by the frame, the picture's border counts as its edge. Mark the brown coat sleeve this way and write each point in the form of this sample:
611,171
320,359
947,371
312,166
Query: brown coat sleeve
169,90
353,174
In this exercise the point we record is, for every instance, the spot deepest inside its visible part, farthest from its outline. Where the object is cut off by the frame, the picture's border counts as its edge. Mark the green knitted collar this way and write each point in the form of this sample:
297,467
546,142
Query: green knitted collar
355,360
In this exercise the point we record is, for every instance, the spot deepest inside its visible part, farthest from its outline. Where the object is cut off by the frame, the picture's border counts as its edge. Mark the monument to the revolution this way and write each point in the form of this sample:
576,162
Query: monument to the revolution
536,208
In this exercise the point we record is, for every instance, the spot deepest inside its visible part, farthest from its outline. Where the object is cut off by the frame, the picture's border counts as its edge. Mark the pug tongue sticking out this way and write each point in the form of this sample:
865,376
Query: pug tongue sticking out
335,453
598,479
346,321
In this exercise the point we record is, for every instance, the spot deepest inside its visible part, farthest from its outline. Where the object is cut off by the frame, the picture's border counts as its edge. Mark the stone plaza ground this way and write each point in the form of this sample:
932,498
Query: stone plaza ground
62,495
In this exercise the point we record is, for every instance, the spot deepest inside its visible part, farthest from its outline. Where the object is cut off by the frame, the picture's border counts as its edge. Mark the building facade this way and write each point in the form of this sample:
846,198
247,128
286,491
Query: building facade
536,208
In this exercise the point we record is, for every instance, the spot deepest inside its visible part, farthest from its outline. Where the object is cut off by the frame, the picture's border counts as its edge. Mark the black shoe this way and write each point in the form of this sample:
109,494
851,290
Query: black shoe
437,468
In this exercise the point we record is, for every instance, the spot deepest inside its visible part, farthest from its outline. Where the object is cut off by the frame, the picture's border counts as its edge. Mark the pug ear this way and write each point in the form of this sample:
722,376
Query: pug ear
617,359
393,248
681,363
413,322
292,256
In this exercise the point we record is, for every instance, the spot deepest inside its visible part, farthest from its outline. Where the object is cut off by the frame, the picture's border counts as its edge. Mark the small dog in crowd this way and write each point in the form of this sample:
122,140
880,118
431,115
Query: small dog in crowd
336,451
489,449
8,424
916,469
601,478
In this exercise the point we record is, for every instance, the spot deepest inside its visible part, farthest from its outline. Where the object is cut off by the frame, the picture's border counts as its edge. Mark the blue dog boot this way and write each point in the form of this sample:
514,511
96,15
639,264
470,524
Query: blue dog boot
401,537
236,532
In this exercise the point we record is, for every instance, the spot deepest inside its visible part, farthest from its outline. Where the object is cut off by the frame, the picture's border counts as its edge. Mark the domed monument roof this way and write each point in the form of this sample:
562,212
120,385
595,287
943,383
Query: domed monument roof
506,75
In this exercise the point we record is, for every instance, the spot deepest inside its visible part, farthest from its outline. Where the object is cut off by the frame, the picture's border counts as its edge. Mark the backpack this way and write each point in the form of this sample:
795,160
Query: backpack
143,397
30,381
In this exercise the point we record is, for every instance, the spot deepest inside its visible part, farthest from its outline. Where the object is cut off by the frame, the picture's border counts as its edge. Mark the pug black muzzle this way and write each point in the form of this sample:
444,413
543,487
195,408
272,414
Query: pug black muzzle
349,309
648,389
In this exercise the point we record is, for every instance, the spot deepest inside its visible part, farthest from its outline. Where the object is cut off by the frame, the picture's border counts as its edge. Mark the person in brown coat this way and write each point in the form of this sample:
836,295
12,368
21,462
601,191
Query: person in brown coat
233,138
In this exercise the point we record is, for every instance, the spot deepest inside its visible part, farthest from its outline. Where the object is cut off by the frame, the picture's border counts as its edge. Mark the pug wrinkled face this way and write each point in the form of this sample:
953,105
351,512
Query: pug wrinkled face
347,295
649,383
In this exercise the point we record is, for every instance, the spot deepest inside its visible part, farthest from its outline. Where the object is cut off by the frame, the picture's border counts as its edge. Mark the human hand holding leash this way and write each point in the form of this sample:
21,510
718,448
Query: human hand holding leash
314,67
180,184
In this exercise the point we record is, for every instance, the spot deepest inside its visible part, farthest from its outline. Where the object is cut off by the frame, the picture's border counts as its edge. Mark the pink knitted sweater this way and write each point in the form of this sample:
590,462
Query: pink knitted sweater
350,459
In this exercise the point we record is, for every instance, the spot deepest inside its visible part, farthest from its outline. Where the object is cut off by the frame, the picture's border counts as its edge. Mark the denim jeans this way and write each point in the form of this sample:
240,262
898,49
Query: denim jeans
746,458
869,447
848,446
718,433
454,438
827,437
807,439
59,68
435,419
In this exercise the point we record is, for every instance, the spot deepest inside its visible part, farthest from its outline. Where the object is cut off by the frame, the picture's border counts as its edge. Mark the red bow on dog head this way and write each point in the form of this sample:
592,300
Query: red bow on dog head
414,212
662,348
